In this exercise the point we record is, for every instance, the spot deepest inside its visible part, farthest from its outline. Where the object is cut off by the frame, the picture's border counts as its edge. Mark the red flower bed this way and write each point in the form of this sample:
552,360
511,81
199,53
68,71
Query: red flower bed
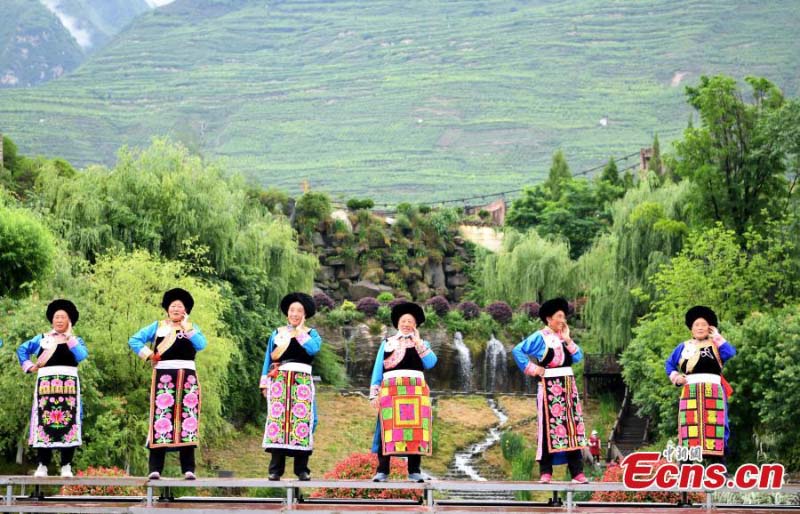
614,474
83,490
362,466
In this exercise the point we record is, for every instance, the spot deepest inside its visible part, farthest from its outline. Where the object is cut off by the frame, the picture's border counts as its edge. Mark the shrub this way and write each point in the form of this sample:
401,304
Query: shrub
26,250
439,304
368,306
512,445
323,302
397,301
355,204
470,310
361,466
312,209
384,315
86,490
500,311
385,297
531,309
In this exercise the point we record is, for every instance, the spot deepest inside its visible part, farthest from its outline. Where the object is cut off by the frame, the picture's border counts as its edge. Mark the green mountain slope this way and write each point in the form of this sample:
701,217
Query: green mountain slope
402,100
34,46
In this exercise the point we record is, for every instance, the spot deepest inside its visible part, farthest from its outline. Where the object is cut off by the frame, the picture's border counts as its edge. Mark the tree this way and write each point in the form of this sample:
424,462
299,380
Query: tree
528,268
610,173
767,365
558,177
26,250
655,163
648,227
712,269
121,294
739,170
173,204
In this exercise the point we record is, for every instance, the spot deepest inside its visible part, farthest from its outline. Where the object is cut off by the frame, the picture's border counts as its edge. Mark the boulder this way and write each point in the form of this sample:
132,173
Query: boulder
364,288
434,275
457,280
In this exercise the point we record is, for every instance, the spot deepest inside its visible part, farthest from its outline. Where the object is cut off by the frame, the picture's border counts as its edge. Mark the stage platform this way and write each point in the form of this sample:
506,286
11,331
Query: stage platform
28,494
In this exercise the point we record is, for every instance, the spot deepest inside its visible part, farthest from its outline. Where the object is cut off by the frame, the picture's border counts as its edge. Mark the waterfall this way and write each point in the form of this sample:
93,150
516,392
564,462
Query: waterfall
494,365
463,363
463,460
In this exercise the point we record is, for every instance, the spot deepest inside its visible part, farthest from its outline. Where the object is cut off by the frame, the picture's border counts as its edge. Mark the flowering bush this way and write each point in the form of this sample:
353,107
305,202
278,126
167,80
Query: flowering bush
500,311
368,306
94,490
469,310
397,301
439,304
614,474
531,309
323,302
361,466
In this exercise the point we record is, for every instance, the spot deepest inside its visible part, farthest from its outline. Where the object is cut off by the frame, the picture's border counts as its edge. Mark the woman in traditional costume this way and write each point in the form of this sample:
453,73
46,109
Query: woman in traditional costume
696,367
56,412
401,396
288,386
561,432
175,389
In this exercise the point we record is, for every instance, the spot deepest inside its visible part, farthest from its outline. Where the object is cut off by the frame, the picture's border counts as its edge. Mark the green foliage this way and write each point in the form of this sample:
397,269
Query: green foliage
763,374
122,295
385,297
311,210
739,170
559,176
330,367
173,204
355,204
511,445
9,154
528,268
274,200
26,250
713,270
573,209
648,227
610,173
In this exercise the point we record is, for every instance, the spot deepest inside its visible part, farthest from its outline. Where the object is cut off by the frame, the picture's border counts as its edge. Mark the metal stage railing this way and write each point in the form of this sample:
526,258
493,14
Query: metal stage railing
150,503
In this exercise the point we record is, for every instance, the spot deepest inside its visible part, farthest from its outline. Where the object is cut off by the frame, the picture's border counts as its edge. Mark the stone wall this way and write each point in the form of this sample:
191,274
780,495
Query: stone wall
354,270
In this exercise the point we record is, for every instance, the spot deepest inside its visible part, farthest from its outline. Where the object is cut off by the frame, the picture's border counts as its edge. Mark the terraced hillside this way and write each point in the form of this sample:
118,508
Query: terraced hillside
413,100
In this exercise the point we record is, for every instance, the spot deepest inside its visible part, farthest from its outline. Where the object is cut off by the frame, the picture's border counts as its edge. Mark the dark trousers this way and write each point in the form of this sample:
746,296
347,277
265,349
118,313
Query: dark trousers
384,462
45,455
158,455
277,464
574,462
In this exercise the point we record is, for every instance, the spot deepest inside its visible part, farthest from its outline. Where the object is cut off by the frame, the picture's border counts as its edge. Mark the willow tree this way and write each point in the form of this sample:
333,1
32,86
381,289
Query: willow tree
121,294
176,205
648,228
527,268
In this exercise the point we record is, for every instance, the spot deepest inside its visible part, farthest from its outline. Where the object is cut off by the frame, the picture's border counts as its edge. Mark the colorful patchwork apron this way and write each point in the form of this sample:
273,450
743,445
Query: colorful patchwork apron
702,414
406,416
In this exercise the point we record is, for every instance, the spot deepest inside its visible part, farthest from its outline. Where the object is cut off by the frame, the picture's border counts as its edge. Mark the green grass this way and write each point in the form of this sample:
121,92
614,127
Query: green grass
414,101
